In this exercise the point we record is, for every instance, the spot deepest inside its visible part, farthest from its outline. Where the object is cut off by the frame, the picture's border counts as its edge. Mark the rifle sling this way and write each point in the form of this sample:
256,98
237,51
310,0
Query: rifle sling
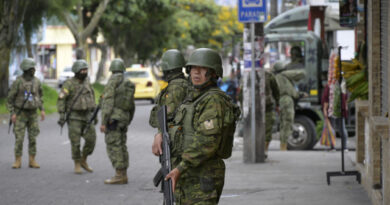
28,96
74,101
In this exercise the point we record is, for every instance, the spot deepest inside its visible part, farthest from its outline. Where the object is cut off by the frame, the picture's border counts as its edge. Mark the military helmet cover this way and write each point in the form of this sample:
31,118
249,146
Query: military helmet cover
278,66
27,63
78,65
172,59
206,57
117,65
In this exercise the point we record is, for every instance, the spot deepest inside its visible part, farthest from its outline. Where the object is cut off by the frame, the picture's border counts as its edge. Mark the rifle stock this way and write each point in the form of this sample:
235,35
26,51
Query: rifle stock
165,159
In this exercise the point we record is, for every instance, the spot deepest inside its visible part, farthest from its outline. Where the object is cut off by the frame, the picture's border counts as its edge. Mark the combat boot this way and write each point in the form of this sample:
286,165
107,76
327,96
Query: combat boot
283,146
119,178
77,167
32,163
84,164
18,162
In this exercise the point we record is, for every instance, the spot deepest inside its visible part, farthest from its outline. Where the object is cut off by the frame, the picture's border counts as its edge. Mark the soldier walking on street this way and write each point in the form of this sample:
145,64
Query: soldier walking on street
117,112
24,97
75,105
173,95
271,104
202,133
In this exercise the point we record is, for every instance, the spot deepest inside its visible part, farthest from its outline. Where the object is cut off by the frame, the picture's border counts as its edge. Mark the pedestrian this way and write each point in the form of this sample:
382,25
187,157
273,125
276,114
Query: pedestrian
117,112
271,105
288,96
75,105
203,133
24,98
171,96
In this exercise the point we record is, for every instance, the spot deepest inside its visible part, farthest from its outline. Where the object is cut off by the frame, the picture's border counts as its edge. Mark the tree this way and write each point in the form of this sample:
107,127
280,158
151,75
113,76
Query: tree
137,29
84,23
11,15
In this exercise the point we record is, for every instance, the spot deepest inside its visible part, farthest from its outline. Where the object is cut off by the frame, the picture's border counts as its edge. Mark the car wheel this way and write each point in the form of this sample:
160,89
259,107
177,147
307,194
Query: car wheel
303,135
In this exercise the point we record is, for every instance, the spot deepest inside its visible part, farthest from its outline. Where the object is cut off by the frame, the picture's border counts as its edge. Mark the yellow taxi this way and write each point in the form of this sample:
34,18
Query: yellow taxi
146,85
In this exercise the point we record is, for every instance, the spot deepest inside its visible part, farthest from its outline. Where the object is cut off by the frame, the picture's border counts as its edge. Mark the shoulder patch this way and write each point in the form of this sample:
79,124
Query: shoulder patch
208,124
66,91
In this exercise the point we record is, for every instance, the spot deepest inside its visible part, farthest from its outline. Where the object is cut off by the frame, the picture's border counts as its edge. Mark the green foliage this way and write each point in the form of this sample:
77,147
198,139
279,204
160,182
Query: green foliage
50,96
3,109
98,88
359,84
319,128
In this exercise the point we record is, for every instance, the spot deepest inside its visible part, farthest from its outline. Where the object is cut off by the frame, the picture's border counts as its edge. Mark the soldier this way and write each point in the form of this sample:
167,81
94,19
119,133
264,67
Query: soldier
288,94
296,58
117,112
75,104
271,104
173,95
203,133
24,97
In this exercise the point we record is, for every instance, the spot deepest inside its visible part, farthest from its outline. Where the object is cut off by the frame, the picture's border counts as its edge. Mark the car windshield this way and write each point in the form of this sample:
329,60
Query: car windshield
136,74
68,69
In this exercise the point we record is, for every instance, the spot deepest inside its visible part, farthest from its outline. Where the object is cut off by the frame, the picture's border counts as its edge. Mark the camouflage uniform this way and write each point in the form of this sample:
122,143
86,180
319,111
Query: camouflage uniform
271,100
117,112
80,111
288,94
173,95
26,117
198,140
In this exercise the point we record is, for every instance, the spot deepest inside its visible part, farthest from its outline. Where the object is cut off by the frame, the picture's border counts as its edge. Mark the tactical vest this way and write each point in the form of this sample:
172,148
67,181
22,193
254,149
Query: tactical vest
160,100
286,87
124,100
86,100
28,90
184,124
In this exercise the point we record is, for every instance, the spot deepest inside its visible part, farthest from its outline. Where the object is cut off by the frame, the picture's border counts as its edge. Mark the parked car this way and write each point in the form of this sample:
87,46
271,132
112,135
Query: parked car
65,74
146,84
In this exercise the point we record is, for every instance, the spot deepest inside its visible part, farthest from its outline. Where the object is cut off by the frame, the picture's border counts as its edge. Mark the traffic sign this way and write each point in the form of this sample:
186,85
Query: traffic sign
252,10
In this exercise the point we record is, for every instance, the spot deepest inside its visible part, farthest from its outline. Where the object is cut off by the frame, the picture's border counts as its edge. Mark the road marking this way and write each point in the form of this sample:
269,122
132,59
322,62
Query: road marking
230,196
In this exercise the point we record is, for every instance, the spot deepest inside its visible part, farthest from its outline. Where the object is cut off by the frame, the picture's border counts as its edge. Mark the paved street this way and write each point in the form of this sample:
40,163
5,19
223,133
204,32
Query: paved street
287,178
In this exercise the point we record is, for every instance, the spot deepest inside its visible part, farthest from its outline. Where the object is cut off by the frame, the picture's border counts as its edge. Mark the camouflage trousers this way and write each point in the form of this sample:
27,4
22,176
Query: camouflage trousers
75,128
116,146
269,122
26,119
287,113
202,185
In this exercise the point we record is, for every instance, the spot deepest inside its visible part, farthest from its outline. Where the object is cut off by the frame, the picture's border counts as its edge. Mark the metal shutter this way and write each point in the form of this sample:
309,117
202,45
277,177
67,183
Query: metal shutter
384,56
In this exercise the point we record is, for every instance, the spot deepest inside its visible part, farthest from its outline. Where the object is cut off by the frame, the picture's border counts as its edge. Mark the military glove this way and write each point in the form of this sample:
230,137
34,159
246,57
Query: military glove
61,121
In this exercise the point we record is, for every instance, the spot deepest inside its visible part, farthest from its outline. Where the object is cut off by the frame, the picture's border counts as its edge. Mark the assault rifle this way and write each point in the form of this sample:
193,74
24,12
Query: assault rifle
165,159
91,119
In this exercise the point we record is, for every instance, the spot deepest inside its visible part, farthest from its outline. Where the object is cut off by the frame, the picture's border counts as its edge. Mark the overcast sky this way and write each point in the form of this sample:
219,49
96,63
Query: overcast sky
226,2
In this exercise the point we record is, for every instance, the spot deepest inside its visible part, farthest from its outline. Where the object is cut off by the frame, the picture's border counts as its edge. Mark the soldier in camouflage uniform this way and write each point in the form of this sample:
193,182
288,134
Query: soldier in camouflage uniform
75,105
200,142
173,95
296,58
117,112
271,104
288,94
24,97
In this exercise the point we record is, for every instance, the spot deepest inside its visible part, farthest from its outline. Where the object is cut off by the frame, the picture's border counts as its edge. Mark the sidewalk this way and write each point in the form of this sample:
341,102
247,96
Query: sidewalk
292,177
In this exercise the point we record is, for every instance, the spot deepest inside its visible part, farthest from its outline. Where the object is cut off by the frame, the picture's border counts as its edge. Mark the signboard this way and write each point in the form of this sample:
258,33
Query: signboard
348,13
252,10
259,50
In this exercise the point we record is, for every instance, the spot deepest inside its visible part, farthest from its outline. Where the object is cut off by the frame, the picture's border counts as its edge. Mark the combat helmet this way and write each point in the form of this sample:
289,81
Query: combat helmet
78,65
171,60
27,63
278,67
206,57
117,65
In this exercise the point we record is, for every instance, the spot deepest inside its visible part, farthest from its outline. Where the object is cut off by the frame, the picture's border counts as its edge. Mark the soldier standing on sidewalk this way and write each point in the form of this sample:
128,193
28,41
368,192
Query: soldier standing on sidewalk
117,112
24,97
171,96
288,96
200,126
75,104
271,104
